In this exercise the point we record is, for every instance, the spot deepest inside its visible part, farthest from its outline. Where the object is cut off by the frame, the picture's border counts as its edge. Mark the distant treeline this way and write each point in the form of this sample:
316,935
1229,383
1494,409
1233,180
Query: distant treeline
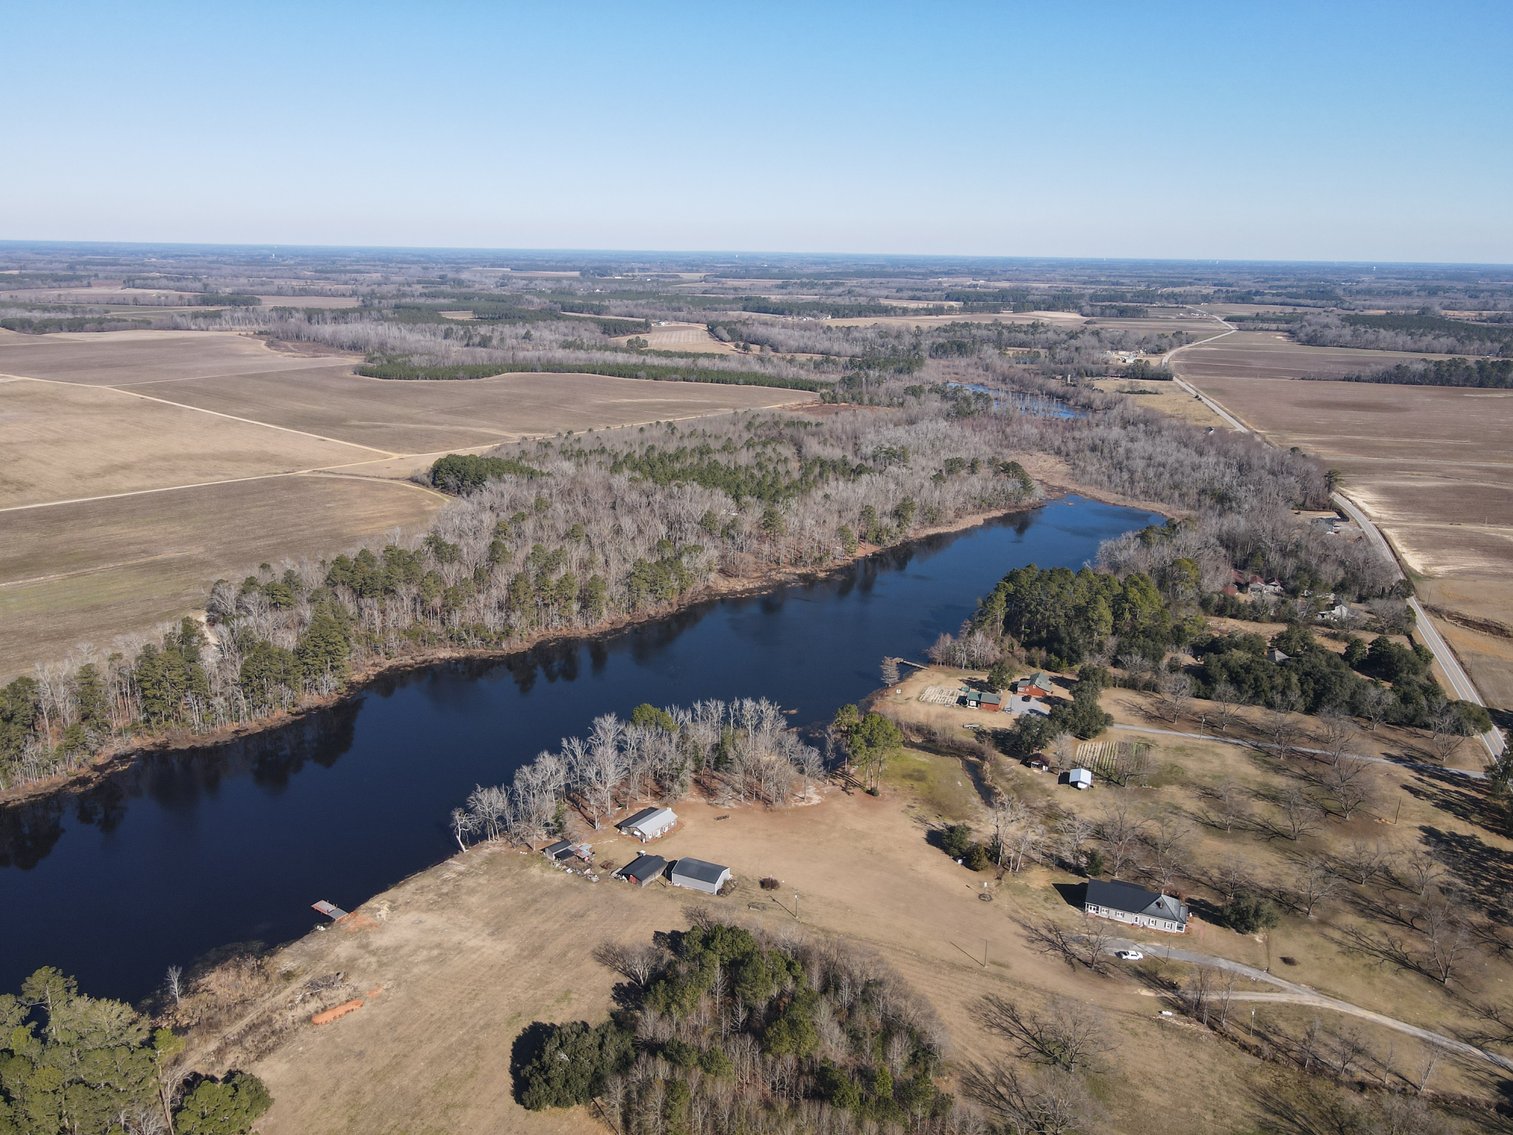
1485,373
834,309
1431,334
411,369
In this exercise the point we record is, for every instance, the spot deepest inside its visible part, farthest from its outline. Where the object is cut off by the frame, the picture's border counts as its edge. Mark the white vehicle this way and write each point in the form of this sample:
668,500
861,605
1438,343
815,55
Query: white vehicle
1128,955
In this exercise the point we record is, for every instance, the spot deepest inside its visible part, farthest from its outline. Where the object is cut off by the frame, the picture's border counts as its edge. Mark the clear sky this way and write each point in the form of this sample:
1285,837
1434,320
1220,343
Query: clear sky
1325,129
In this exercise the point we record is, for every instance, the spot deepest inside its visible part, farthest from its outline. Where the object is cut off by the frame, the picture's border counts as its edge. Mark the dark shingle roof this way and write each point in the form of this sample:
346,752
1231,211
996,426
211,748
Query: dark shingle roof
1135,900
638,817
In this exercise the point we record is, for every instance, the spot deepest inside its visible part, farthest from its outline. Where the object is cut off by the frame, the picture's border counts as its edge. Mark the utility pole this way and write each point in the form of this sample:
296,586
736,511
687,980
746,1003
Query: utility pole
795,906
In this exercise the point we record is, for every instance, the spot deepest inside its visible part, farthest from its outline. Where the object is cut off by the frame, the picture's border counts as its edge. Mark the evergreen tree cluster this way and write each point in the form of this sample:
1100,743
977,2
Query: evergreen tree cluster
1066,617
731,1030
91,1066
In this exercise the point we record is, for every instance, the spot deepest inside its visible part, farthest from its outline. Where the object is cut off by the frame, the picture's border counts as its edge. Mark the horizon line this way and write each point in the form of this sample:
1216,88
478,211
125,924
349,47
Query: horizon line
739,253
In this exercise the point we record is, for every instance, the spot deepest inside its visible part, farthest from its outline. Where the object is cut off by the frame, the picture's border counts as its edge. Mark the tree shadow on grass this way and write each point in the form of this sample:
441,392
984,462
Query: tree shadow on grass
527,1047
1462,797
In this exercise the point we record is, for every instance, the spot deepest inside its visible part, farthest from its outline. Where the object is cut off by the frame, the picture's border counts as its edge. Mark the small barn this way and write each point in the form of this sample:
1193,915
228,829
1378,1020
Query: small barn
1080,778
642,870
699,875
989,701
649,823
1125,902
561,851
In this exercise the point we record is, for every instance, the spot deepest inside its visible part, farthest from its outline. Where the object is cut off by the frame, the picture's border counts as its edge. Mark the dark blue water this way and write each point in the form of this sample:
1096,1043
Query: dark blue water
186,852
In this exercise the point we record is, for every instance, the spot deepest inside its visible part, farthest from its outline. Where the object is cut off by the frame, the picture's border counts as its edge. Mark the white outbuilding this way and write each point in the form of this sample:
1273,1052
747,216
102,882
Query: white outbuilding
1080,778
699,875
649,823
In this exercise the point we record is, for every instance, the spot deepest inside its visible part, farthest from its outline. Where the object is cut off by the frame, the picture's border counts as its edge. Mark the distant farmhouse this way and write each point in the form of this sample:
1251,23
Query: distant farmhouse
1125,902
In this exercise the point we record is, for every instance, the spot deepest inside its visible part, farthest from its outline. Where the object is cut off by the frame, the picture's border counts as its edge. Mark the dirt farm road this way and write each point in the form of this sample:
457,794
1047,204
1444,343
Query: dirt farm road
1293,993
1455,674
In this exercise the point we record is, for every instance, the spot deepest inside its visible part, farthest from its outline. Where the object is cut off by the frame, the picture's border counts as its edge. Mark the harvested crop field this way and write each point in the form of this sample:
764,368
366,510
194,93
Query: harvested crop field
423,417
1430,464
1271,354
92,572
141,465
64,441
119,358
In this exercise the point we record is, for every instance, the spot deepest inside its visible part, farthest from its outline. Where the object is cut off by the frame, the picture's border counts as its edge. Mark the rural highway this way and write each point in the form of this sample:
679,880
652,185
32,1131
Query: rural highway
1293,993
1455,674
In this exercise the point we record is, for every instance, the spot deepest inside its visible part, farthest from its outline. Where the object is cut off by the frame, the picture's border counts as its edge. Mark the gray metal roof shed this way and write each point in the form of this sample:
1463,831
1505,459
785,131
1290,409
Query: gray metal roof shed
699,875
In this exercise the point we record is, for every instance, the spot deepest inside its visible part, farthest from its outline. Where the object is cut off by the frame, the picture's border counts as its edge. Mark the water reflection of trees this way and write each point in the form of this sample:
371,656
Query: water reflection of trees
177,781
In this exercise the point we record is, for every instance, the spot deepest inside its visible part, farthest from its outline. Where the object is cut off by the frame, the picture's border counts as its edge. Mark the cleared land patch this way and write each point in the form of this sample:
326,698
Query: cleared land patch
422,417
681,337
92,572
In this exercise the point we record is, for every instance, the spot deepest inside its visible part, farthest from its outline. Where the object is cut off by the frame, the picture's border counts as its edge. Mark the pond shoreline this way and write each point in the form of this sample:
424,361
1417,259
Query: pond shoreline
114,761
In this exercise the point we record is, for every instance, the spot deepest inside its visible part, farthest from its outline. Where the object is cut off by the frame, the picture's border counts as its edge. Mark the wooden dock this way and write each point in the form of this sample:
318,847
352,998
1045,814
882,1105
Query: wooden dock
330,910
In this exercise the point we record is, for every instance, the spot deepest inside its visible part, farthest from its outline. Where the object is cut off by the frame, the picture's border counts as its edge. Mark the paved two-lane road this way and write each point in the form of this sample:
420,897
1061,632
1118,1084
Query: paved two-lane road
1455,674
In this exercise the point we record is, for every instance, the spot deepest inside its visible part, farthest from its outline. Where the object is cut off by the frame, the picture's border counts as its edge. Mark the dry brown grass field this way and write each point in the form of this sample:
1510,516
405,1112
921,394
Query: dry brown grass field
423,417
1067,318
455,961
93,572
64,441
1271,354
674,336
1164,397
141,465
1430,464
121,358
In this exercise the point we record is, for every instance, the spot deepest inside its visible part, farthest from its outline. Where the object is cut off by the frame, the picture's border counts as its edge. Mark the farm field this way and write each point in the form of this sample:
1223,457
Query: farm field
1430,464
450,965
64,441
680,337
93,572
122,358
1271,354
423,417
1067,318
215,453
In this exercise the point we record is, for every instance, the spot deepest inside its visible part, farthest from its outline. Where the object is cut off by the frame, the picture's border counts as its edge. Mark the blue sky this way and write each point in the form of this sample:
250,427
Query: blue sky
1321,130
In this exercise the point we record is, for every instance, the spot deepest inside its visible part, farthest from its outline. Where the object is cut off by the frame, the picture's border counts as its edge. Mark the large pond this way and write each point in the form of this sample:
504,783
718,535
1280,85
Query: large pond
186,852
